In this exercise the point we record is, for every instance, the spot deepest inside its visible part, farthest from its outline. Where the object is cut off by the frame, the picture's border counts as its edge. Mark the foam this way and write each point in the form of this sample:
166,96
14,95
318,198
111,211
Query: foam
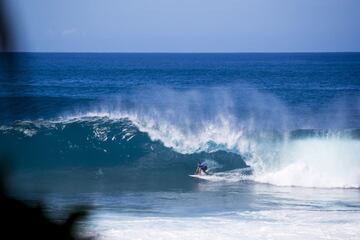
326,163
235,175
251,225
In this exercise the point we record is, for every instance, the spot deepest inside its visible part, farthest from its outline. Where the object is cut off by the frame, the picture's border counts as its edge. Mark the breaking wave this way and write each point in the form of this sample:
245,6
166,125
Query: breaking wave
302,157
241,133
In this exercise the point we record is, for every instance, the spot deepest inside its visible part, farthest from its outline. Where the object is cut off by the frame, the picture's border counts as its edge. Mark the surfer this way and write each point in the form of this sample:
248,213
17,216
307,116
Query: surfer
201,169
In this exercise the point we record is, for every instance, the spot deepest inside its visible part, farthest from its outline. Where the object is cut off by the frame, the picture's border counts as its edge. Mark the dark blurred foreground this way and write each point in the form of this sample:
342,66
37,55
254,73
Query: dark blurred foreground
18,219
21,220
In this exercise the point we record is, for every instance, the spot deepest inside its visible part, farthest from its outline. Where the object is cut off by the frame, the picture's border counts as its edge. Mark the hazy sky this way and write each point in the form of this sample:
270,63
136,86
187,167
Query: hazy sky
187,25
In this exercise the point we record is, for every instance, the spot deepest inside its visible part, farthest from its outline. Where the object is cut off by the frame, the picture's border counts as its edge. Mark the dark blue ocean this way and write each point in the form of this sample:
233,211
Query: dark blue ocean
280,133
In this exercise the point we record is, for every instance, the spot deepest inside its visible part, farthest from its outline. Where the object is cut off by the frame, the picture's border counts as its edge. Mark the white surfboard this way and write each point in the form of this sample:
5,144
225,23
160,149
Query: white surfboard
204,177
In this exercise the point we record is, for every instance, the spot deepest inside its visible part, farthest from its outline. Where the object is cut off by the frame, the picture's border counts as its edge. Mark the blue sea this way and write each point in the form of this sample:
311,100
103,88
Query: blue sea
122,133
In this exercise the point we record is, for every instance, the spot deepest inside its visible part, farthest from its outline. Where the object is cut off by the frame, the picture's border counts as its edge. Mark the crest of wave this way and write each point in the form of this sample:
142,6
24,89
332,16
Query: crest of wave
221,133
197,120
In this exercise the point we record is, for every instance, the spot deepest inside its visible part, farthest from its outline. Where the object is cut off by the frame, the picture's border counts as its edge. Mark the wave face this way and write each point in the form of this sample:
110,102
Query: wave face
308,158
95,142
